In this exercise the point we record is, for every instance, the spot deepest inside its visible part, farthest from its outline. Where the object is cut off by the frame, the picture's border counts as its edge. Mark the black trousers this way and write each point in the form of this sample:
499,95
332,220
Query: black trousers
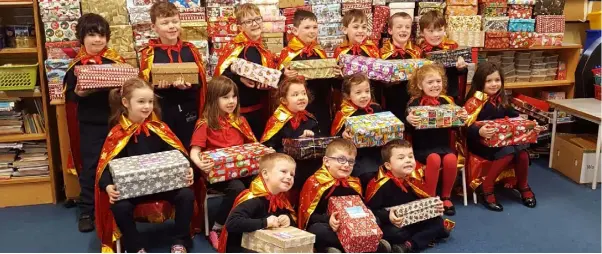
231,189
257,120
91,140
319,107
181,119
419,234
325,237
181,199
396,99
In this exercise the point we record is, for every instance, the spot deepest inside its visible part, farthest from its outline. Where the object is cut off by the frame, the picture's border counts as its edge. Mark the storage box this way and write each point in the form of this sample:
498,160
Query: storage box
235,161
358,231
316,69
256,72
104,75
147,174
510,132
497,40
464,23
449,58
172,72
521,39
495,24
279,240
374,130
306,148
60,31
461,10
443,116
575,157
550,23
418,210
516,11
521,25
468,38
548,7
114,11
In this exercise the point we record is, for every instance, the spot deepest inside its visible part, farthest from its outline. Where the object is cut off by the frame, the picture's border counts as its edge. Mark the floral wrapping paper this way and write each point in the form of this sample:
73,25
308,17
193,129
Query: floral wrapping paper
358,231
330,13
62,50
139,14
522,2
468,38
122,38
221,13
374,68
315,69
103,75
114,11
235,161
495,24
279,240
448,58
274,26
521,39
256,72
548,39
147,174
464,23
424,7
306,148
461,3
322,2
549,7
510,132
516,11
374,130
194,31
142,33
466,10
488,11
494,3
63,10
55,92
432,117
379,22
550,23
330,29
497,40
56,69
521,25
187,5
60,31
418,210
222,28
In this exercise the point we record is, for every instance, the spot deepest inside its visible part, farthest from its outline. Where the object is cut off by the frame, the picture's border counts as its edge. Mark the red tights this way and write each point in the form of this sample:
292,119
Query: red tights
450,171
521,170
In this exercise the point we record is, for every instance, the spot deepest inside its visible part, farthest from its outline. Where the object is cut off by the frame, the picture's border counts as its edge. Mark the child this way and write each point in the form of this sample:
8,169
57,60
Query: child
432,147
432,28
264,204
486,100
133,114
400,27
332,180
396,185
305,47
248,45
88,110
221,126
357,101
181,101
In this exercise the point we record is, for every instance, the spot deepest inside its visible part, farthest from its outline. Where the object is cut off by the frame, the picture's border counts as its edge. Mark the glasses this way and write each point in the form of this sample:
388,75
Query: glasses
251,21
342,160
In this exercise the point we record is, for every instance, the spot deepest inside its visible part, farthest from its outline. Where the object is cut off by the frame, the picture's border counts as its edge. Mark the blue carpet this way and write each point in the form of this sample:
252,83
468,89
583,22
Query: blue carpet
567,219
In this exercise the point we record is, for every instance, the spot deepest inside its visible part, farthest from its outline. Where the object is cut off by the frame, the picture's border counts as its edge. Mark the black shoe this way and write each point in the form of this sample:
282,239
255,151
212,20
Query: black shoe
332,250
383,246
528,202
85,223
448,210
492,206
400,248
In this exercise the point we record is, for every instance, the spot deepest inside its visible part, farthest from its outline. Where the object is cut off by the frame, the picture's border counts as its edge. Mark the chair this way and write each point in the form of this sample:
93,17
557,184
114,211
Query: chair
151,212
464,192
206,211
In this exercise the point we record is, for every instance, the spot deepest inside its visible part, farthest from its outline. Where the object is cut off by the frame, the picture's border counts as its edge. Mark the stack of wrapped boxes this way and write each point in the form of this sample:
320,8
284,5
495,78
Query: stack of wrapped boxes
288,10
495,24
462,13
221,28
330,33
379,22
273,25
549,27
194,29
364,5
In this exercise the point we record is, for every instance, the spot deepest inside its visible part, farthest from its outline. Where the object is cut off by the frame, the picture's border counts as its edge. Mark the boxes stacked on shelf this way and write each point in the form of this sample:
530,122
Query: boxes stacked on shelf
493,8
379,22
289,13
424,7
273,24
114,11
329,15
220,28
193,18
464,25
407,7
549,30
141,24
461,8
535,67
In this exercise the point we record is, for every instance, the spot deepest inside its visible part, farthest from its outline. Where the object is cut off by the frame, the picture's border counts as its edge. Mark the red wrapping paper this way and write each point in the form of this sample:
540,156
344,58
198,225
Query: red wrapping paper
521,39
516,11
235,161
222,28
358,231
494,3
549,23
379,22
510,132
193,16
55,91
497,40
365,7
548,39
104,75
62,50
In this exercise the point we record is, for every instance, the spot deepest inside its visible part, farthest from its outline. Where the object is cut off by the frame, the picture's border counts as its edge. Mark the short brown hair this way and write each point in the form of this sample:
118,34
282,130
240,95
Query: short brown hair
117,94
163,9
353,80
385,152
419,75
432,18
354,15
244,10
218,86
268,161
398,15
340,144
301,15
285,84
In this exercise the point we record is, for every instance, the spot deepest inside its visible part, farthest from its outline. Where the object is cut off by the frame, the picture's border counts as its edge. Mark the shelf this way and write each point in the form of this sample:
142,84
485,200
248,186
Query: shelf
25,179
22,137
518,85
567,46
20,94
16,3
18,50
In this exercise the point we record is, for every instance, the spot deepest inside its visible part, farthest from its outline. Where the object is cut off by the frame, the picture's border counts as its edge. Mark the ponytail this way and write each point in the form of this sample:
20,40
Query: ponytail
116,96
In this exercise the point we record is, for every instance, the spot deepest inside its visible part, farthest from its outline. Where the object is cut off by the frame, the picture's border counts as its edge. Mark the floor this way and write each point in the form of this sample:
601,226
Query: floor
566,219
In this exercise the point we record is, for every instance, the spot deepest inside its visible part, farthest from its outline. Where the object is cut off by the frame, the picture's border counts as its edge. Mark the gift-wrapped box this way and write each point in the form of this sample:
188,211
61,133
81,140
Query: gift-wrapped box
328,13
194,31
203,47
464,23
356,1
222,28
235,161
144,2
375,129
468,38
548,39
268,11
114,11
122,38
60,31
279,240
274,26
194,16
407,67
64,10
510,132
272,38
330,43
516,11
495,24
549,7
521,25
290,3
461,3
449,58
381,15
142,33
424,7
56,69
220,13
456,10
315,69
330,29
103,75
221,2
139,14
497,40
62,50
521,39
358,231
321,2
494,3
172,72
55,92
522,2
364,7
550,23
409,11
306,148
443,116
489,11
152,173
131,58
376,69
256,72
187,5
418,210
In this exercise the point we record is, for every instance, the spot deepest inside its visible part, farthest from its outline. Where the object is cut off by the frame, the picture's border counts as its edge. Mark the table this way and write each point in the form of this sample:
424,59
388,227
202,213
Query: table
589,109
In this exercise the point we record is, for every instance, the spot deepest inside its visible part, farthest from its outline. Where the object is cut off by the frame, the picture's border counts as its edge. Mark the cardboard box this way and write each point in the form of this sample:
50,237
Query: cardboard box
172,72
290,3
279,240
574,156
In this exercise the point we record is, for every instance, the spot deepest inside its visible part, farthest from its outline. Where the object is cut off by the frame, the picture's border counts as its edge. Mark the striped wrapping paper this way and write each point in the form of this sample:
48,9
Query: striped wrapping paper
549,23
104,75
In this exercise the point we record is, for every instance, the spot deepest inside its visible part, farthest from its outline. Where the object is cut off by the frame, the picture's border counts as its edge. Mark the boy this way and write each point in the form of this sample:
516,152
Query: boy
398,182
88,111
432,28
248,45
180,101
303,46
332,180
400,28
264,204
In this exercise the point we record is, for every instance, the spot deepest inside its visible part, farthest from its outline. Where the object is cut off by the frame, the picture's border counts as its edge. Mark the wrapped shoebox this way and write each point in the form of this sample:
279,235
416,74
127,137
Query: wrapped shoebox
510,132
379,22
172,72
315,69
424,7
330,29
220,13
103,75
290,11
279,240
464,23
521,25
358,231
143,2
548,39
268,11
60,31
114,11
521,39
147,174
364,7
56,69
550,23
235,161
194,16
327,13
494,3
290,3
203,47
62,50
220,2
194,31
330,43
522,2
55,92
407,67
418,210
495,24
131,58
356,1
256,72
456,10
549,7
63,10
374,130
122,38
323,2
497,40
461,3
306,148
468,38
222,28
516,11
489,11
142,33
443,116
449,58
187,5
274,26
374,68
139,14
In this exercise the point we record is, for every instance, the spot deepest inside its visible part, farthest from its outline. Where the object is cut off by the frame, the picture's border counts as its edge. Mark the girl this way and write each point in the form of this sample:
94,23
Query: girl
357,101
221,126
432,147
138,131
486,100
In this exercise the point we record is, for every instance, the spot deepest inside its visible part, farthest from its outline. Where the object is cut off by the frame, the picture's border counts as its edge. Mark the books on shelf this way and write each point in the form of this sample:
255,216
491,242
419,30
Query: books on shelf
23,159
15,119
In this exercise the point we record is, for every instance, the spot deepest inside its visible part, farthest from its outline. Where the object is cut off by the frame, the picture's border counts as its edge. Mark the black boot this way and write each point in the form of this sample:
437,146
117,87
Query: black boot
494,206
383,246
530,202
85,223
448,210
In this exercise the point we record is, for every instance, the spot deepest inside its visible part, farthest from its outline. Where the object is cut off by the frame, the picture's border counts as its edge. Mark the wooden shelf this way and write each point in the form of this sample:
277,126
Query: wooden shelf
567,46
16,3
20,94
25,179
518,85
22,137
18,50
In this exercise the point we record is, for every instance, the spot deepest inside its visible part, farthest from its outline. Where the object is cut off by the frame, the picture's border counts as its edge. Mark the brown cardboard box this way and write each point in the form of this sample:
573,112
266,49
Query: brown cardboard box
575,10
279,240
574,156
171,72
290,3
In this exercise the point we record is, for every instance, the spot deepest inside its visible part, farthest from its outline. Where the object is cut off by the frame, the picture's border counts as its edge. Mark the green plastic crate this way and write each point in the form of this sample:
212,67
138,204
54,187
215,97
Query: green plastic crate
18,77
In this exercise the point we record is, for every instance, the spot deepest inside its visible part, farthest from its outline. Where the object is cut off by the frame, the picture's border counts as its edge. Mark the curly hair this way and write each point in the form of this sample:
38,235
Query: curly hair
419,75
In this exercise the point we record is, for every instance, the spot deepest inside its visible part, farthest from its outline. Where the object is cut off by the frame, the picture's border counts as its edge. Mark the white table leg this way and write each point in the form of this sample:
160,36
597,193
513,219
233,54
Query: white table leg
554,120
597,161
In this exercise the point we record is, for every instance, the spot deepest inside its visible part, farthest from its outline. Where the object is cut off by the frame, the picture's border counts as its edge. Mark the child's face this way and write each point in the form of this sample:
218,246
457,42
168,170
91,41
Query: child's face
94,43
281,177
400,30
360,94
402,161
340,163
433,36
307,31
140,105
227,103
493,83
167,28
252,25
432,84
296,98
357,31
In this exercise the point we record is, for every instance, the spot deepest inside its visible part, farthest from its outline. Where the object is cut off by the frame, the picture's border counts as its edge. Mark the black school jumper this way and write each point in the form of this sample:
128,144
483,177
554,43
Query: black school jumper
428,141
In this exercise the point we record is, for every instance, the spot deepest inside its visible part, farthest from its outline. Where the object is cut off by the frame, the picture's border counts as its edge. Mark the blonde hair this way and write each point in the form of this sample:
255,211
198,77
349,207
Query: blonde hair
340,144
218,87
268,161
116,95
419,75
245,10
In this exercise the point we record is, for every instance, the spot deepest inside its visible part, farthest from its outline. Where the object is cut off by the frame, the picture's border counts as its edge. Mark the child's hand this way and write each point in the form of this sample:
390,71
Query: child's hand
439,207
347,134
284,221
84,93
307,134
396,221
113,193
190,177
206,165
338,72
261,86
273,222
463,115
487,131
247,82
539,128
290,73
163,84
180,84
334,222
461,64
414,120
